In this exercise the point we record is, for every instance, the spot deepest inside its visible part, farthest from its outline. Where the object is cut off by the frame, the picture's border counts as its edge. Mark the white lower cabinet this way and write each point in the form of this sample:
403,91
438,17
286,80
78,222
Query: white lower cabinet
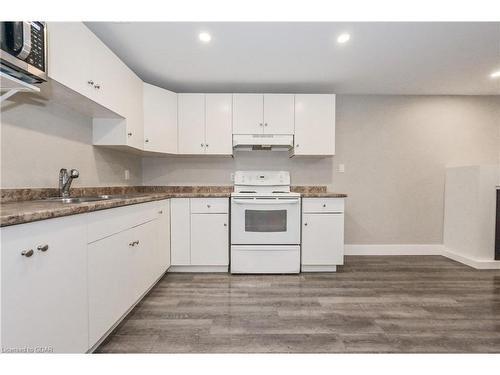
322,234
44,291
209,239
200,234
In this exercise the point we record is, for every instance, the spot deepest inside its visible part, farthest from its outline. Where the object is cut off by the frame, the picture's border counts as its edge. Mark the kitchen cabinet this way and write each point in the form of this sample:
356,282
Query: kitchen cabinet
322,234
218,124
163,232
205,124
44,292
263,114
314,124
200,234
160,119
84,64
191,126
180,224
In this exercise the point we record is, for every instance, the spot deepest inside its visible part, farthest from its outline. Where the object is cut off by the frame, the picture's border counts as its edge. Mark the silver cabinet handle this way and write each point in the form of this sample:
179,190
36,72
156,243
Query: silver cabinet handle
90,82
43,248
27,253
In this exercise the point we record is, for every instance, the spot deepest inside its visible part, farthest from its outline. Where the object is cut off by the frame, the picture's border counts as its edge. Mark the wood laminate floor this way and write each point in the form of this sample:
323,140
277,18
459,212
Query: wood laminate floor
374,304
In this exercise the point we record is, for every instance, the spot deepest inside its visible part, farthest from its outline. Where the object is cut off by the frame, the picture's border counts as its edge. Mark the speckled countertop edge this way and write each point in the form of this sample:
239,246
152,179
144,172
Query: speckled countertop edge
19,212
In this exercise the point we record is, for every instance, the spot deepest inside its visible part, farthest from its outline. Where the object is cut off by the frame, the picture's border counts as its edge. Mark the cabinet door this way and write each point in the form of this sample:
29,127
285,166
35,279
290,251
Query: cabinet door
314,124
218,120
69,49
160,119
209,240
44,296
134,114
322,239
191,128
248,113
144,257
278,113
111,282
180,231
163,230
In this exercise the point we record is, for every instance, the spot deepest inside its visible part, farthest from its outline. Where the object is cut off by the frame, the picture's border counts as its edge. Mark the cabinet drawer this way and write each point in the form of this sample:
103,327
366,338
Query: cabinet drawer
322,205
105,223
209,205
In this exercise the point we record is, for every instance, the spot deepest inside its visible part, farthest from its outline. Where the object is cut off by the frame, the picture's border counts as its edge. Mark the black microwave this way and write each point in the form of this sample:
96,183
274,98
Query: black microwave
23,53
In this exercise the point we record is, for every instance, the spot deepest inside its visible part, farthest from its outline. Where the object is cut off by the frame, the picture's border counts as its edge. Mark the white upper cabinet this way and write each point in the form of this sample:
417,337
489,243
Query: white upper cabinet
69,57
160,119
204,125
278,114
248,113
191,125
218,120
263,113
314,124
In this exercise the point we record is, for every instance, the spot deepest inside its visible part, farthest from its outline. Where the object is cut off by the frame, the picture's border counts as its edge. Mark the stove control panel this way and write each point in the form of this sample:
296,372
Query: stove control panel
262,178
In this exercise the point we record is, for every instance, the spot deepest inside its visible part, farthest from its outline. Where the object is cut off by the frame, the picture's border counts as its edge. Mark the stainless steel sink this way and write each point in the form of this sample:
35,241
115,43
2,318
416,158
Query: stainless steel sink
74,200
90,199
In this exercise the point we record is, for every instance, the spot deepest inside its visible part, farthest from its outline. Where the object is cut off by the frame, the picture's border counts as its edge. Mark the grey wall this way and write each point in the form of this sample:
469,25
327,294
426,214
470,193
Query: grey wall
395,150
38,138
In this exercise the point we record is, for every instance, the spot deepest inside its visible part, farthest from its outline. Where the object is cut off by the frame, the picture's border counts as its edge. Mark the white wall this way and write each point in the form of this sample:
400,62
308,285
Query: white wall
395,150
39,138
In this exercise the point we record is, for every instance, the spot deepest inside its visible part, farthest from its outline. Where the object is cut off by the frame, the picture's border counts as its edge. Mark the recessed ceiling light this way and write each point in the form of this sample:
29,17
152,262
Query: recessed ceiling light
343,38
495,74
205,37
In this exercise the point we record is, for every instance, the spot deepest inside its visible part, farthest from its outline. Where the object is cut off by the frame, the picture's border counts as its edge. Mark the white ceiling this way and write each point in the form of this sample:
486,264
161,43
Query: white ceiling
380,58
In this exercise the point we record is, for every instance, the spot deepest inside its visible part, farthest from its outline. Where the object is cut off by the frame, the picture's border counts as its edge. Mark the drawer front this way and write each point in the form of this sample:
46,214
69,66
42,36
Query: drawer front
209,205
105,223
322,205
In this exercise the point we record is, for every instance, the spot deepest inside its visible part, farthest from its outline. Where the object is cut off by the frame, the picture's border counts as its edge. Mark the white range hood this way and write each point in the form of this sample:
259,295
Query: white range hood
271,142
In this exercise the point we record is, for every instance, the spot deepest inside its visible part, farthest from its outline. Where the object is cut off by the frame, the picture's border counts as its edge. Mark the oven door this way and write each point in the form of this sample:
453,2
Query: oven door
265,221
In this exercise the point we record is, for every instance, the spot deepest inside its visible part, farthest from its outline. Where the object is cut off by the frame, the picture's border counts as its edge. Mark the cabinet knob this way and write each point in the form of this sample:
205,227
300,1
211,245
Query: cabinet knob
206,144
225,224
90,82
146,140
305,224
297,145
261,124
132,243
97,86
160,212
202,145
208,205
129,134
324,205
43,248
27,253
265,124
137,242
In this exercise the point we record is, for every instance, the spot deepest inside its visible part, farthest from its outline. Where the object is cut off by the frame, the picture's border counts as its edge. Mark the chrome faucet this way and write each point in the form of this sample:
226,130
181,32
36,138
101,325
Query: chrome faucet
65,181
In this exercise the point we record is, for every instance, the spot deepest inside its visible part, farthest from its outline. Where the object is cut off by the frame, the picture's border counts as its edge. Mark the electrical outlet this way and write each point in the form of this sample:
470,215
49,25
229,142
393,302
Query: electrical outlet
341,168
232,177
127,174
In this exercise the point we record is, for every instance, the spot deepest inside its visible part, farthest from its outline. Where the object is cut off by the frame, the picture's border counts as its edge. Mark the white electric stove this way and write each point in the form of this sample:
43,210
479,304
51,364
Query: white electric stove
265,223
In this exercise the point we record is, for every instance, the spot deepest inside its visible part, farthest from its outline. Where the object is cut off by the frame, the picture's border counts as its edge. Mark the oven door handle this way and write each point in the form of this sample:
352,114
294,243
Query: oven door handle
265,201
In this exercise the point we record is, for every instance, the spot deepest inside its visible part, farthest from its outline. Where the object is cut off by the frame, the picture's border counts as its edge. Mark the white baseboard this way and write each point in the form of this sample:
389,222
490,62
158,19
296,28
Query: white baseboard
475,263
424,249
198,269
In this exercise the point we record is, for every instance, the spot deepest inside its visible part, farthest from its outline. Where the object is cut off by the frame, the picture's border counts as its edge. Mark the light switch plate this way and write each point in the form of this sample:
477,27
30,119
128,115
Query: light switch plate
127,174
341,168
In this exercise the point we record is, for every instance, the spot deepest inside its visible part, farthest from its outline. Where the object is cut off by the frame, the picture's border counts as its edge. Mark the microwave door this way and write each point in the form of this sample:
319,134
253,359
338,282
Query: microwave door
18,39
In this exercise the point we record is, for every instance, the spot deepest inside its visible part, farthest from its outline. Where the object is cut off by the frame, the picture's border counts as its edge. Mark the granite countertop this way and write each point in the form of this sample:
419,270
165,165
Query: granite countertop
27,205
